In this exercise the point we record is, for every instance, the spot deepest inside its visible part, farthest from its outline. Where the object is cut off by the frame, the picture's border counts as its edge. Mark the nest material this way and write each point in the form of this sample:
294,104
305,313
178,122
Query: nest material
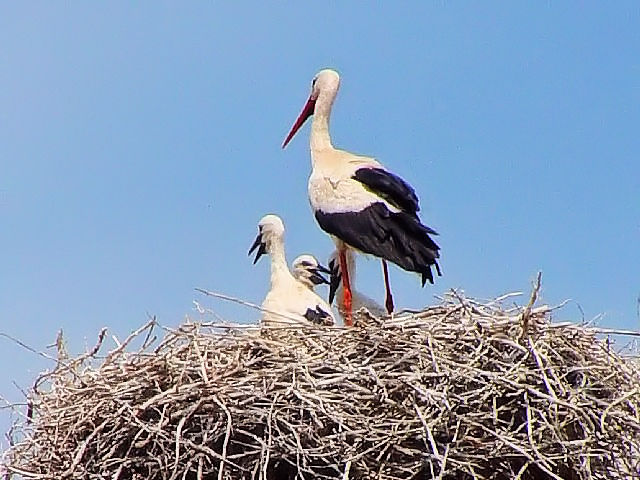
461,390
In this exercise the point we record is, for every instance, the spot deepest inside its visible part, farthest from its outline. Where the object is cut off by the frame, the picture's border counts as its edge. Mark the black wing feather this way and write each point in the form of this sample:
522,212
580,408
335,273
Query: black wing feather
398,237
390,187
335,279
318,316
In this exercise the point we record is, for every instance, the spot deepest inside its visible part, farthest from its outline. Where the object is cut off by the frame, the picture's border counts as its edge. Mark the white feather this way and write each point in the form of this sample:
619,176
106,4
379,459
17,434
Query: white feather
332,188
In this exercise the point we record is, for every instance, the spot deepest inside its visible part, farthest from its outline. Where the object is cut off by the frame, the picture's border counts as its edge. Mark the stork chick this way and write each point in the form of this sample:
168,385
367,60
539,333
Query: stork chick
307,269
289,301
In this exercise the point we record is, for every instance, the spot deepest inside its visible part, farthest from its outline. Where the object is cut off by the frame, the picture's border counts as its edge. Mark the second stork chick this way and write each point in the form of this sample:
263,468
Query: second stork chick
307,269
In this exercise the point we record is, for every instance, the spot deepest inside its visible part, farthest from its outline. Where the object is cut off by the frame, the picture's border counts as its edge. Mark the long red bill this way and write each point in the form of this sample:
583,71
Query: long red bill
307,111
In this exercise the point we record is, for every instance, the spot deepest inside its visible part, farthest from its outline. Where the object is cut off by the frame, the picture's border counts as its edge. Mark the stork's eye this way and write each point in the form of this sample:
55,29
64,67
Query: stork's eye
304,263
313,83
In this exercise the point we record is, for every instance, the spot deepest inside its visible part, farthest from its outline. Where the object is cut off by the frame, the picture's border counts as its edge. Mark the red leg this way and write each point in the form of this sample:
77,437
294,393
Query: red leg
348,321
388,300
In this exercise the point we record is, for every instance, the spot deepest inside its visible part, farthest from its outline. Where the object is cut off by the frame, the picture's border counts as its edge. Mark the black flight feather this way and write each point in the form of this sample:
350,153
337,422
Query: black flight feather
335,280
397,237
318,316
389,187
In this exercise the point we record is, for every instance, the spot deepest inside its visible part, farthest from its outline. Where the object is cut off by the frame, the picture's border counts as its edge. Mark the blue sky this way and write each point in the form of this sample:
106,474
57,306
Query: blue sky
140,145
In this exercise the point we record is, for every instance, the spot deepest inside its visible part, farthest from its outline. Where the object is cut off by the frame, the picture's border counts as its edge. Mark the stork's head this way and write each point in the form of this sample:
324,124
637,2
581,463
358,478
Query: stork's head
326,82
270,229
324,88
308,270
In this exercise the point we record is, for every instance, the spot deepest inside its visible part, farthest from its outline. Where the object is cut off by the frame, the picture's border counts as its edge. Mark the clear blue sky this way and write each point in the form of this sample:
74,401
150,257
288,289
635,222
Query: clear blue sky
140,145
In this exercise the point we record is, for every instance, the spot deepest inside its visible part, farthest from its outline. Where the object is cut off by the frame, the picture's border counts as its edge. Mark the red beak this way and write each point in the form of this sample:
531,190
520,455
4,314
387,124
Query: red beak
307,111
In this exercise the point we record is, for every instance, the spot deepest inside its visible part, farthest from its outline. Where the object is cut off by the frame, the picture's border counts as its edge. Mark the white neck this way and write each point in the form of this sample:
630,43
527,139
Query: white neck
320,138
278,260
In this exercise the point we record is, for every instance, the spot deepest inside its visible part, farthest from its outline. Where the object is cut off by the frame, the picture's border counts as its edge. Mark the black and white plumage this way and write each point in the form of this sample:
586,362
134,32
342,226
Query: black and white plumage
308,270
289,301
358,201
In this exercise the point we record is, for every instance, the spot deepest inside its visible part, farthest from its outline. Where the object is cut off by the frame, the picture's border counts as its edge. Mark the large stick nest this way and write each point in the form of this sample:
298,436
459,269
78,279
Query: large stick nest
457,391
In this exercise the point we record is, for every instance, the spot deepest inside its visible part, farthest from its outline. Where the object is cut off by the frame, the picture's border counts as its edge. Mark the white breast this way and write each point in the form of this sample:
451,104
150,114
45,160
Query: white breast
332,188
288,301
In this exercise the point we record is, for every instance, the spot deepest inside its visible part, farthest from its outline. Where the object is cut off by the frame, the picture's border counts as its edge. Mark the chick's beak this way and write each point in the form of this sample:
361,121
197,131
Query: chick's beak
261,251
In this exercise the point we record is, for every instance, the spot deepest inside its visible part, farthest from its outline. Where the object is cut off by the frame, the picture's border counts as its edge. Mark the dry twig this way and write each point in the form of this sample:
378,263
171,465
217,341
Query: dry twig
460,390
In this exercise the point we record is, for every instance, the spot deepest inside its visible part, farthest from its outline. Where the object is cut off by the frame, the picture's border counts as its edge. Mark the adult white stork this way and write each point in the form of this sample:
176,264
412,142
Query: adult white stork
359,202
289,301
336,290
306,269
